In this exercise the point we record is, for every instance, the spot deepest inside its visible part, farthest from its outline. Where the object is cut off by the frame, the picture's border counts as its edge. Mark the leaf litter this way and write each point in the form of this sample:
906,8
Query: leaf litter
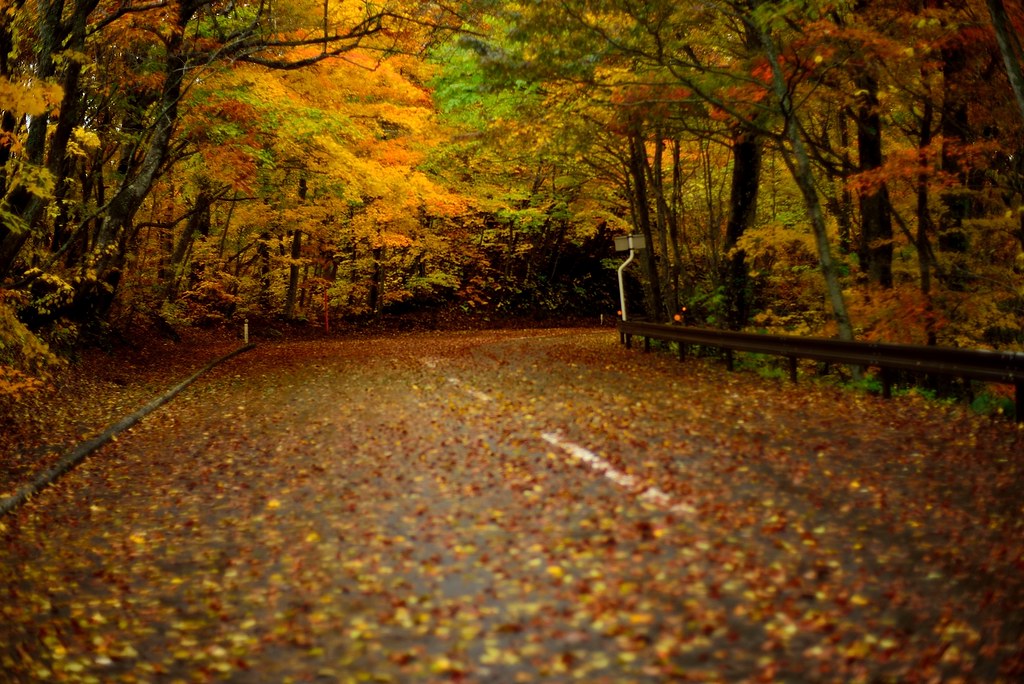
342,511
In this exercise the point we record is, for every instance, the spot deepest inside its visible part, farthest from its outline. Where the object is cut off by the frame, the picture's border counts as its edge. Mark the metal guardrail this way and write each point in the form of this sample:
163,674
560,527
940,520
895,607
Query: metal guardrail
988,366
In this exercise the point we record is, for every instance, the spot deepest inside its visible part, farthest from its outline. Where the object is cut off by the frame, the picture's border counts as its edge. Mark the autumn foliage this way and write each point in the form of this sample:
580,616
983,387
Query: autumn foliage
201,162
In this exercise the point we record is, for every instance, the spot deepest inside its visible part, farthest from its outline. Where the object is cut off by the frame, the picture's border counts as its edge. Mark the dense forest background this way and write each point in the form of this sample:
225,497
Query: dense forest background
834,168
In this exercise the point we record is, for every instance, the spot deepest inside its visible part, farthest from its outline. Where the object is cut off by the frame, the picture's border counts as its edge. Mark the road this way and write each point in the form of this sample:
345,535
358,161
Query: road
521,506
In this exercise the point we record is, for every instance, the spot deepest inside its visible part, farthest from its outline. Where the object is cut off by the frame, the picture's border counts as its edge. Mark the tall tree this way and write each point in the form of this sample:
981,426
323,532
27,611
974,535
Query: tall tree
1008,37
800,165
164,47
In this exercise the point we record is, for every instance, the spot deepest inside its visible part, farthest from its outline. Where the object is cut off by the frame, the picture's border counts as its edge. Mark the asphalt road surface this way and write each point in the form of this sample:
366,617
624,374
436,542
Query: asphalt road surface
517,507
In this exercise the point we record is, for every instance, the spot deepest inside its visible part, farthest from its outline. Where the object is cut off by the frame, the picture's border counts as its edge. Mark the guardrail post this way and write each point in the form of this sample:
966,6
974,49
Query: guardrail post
1006,368
886,383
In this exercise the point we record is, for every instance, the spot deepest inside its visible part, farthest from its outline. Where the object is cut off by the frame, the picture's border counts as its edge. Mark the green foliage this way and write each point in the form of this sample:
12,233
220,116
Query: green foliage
768,366
62,337
435,283
239,19
707,308
494,172
949,392
988,403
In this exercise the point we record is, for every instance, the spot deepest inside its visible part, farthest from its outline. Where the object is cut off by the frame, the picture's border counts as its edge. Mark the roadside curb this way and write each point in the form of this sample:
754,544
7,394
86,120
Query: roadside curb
79,453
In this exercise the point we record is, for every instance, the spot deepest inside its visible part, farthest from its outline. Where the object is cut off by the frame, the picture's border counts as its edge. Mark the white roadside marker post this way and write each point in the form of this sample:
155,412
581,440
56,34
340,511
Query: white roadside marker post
633,243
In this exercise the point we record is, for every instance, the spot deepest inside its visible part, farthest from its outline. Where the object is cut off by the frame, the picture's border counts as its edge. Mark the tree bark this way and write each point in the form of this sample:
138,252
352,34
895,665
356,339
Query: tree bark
21,203
94,296
266,273
198,224
293,274
54,36
876,222
800,167
656,178
954,124
925,256
675,218
744,185
1010,48
296,254
59,163
375,297
844,200
637,164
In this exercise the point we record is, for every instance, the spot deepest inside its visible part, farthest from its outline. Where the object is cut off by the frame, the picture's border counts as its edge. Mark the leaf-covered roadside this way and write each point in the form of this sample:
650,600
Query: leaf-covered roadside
94,389
387,510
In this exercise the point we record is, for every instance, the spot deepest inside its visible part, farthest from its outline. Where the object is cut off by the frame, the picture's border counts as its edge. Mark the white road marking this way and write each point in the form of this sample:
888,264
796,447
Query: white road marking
476,394
652,495
625,480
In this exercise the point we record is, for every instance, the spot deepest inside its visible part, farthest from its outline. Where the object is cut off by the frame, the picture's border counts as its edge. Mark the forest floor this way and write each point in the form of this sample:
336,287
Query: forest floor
504,506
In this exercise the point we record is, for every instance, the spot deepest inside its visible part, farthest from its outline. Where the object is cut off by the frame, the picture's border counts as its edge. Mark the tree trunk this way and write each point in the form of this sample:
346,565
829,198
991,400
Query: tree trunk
22,205
94,296
60,164
265,271
227,227
746,179
637,164
376,294
1010,48
675,217
875,248
293,274
844,201
55,35
303,291
800,167
198,224
955,127
8,122
656,178
296,254
7,125
924,221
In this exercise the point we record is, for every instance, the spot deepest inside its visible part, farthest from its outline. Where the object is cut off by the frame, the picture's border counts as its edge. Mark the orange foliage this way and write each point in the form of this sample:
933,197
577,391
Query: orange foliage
14,383
897,315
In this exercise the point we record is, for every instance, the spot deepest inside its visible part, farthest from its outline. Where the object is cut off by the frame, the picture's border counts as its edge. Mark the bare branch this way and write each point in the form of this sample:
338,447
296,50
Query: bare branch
124,10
